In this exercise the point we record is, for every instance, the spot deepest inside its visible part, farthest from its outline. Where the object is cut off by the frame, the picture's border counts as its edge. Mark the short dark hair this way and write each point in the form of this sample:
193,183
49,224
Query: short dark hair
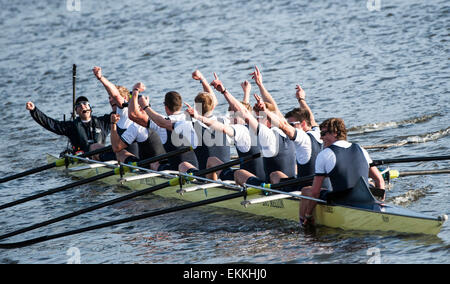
300,115
173,101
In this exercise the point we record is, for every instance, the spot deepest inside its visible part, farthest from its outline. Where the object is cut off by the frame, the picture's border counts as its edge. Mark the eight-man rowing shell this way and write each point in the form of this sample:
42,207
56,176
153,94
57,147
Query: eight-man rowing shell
369,217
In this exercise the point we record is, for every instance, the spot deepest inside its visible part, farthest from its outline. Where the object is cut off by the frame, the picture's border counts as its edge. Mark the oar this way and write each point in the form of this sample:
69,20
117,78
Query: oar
129,219
171,182
409,160
250,186
58,163
302,181
384,146
396,174
74,80
94,178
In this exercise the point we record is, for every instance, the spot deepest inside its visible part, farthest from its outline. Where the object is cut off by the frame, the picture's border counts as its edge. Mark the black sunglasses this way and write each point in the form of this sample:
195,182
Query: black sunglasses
323,132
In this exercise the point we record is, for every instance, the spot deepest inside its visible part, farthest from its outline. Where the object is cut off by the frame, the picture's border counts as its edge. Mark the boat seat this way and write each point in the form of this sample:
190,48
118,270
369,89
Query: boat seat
359,196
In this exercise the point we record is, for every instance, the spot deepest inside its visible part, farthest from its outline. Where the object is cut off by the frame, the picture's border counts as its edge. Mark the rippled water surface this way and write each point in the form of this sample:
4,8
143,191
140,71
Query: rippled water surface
386,73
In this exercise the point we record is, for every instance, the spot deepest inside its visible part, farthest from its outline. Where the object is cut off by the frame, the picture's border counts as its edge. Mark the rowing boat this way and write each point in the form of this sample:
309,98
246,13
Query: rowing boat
376,217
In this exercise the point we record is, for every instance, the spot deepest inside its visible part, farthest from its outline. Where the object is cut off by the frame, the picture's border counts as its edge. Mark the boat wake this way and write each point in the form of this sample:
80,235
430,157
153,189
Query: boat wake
415,139
426,137
409,197
379,126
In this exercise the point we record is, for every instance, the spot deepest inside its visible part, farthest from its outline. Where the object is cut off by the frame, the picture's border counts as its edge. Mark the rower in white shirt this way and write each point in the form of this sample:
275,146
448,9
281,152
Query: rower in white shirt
118,99
343,162
148,140
174,130
276,148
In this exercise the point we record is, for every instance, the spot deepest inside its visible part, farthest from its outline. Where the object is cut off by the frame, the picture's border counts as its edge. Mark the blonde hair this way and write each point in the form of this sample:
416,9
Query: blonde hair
124,92
205,99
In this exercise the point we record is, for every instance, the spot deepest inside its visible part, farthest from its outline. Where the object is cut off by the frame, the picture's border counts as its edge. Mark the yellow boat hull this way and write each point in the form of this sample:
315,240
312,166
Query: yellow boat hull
388,218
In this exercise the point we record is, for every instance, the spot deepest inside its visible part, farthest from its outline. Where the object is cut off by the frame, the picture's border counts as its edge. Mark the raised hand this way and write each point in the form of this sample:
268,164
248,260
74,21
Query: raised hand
300,93
260,105
29,106
144,101
197,75
191,111
97,72
139,86
115,118
256,75
217,84
246,87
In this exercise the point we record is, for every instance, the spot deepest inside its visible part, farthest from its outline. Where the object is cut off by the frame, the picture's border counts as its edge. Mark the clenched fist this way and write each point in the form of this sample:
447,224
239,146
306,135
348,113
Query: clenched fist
97,72
115,118
30,106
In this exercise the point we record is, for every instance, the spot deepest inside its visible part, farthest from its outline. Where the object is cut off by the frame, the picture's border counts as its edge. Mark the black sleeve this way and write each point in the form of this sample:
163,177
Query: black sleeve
55,126
105,121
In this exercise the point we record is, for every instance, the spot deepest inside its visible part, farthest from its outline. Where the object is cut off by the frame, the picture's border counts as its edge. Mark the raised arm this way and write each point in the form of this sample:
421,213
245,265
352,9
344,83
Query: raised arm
214,124
301,98
157,118
134,113
197,75
275,120
109,87
267,97
246,87
53,125
235,104
232,101
116,142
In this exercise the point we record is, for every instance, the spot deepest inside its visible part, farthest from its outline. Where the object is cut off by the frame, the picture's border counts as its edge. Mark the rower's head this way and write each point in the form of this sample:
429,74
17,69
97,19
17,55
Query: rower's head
299,118
83,108
204,103
172,102
332,130
124,93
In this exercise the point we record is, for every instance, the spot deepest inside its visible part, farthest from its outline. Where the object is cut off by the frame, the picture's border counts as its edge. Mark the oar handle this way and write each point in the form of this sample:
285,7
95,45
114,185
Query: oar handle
141,163
173,153
298,181
228,164
98,151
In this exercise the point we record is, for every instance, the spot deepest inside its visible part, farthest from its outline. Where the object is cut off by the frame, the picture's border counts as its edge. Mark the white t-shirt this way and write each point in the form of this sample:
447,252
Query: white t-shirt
180,126
326,159
133,133
302,144
224,120
124,122
268,140
242,137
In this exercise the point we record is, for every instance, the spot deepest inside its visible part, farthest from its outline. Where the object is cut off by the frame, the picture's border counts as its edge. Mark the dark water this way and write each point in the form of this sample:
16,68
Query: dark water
385,72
